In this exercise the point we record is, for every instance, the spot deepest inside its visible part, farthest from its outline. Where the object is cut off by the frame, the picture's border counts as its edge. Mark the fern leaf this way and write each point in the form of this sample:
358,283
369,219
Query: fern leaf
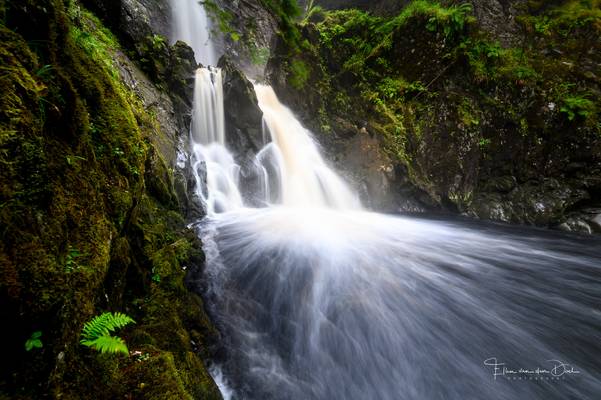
96,327
118,320
104,324
107,344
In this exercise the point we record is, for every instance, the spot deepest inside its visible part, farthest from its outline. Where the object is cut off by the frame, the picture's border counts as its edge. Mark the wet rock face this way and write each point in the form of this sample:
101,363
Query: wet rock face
133,20
256,28
243,121
243,125
533,202
498,18
358,155
172,110
162,75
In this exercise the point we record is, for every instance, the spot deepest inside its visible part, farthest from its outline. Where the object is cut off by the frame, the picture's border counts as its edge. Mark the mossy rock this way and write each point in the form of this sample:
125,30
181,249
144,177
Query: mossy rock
87,217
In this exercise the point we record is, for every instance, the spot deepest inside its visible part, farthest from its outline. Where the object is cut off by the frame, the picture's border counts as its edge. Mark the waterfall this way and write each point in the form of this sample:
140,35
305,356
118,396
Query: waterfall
290,168
318,299
191,25
208,124
209,154
305,179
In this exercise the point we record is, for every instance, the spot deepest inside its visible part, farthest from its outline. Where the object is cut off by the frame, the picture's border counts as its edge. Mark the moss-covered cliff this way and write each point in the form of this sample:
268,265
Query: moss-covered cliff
89,219
448,115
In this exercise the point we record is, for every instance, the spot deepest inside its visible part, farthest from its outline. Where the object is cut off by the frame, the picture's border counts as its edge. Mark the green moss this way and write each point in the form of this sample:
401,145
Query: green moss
368,36
286,11
467,113
578,107
299,73
258,56
222,19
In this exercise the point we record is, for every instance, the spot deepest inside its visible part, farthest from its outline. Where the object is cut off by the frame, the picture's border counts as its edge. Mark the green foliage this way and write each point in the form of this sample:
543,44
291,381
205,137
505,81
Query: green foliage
71,261
466,113
34,342
157,41
577,107
391,88
258,55
107,344
450,20
299,73
98,44
311,11
44,72
489,61
564,19
222,18
484,143
287,11
367,36
97,333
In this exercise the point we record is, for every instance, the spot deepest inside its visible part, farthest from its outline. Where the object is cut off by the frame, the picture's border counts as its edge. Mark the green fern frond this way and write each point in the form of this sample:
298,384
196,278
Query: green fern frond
107,344
104,324
97,332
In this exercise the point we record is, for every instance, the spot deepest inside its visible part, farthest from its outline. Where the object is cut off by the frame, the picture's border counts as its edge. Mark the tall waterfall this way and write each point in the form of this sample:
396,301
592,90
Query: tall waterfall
191,24
208,152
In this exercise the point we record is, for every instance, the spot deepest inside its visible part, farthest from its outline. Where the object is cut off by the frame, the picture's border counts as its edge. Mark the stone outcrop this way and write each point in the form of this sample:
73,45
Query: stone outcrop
243,120
253,31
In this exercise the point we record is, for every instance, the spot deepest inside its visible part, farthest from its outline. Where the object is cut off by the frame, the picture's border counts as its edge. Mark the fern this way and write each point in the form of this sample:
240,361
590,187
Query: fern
107,344
97,333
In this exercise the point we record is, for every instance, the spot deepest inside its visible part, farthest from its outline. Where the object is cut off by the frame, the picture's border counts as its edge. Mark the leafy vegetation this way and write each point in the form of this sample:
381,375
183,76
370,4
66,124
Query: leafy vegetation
299,73
97,333
577,107
34,342
223,18
259,55
71,261
369,36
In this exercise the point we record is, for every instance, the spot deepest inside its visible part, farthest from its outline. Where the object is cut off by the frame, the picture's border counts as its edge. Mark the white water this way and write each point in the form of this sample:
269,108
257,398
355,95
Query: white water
191,25
305,179
209,156
325,304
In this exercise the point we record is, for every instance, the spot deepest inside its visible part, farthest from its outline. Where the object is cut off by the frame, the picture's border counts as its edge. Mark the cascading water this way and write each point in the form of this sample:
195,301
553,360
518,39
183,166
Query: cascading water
208,152
305,179
191,25
292,171
318,299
